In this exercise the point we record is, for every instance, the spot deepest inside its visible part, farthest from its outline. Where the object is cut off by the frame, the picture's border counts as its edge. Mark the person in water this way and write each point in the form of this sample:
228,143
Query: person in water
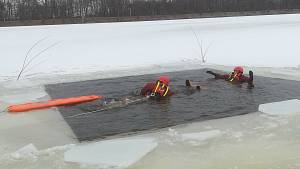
236,76
159,89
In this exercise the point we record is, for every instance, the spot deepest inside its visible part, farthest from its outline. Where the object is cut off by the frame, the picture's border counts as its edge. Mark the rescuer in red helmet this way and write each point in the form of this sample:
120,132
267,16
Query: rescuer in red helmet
236,76
159,89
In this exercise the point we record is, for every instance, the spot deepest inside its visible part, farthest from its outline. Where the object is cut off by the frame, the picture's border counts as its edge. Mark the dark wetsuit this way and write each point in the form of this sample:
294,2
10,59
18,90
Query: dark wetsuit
238,78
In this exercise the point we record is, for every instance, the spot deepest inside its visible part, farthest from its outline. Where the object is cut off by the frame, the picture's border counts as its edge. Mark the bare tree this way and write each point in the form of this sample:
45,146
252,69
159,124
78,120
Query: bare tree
203,50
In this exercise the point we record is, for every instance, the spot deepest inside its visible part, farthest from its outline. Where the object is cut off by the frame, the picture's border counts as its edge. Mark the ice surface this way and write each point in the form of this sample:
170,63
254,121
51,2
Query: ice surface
281,108
201,136
44,129
111,153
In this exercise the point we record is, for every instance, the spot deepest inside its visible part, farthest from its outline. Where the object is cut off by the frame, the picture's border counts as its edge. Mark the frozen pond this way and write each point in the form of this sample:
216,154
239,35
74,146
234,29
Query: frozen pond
217,99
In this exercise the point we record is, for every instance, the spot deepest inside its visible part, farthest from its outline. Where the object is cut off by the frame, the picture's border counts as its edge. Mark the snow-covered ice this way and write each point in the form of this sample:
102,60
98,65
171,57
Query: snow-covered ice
286,107
249,41
111,153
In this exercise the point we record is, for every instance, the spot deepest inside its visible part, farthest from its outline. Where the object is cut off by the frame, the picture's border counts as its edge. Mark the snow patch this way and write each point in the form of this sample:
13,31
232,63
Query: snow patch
27,151
281,108
53,150
201,136
195,138
111,153
24,97
172,133
31,152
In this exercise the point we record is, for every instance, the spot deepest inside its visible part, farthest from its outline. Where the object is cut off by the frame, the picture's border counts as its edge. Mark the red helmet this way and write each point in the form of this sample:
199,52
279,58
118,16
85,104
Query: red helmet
164,79
239,69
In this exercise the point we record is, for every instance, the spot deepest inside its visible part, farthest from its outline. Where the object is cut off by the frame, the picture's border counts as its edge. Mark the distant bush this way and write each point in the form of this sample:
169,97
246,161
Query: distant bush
20,10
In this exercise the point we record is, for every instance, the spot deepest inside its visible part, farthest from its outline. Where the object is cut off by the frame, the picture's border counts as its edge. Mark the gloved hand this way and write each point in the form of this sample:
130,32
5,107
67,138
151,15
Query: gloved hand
210,72
188,83
250,82
155,96
250,73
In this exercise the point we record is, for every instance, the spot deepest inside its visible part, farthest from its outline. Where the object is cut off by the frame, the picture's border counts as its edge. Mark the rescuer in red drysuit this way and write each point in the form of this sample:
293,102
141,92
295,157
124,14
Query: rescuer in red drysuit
236,76
158,89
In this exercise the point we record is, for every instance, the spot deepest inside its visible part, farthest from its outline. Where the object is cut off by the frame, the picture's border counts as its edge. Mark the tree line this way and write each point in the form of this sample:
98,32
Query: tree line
50,9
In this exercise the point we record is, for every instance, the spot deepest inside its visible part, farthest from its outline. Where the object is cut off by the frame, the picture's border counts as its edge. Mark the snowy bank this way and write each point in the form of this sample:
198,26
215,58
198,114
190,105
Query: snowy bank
251,41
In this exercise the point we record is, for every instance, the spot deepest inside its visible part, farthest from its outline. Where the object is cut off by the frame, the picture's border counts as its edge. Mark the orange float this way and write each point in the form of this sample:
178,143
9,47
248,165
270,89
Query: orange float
52,103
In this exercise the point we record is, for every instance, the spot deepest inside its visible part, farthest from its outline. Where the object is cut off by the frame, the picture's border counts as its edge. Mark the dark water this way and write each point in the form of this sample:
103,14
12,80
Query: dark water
218,99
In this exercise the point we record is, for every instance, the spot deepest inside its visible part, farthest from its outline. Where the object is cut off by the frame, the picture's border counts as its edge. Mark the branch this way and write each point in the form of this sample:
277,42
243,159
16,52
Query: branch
200,45
25,65
27,55
37,55
33,66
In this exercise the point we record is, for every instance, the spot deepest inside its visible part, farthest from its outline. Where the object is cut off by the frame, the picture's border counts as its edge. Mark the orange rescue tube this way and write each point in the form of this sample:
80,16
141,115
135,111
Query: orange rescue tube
52,103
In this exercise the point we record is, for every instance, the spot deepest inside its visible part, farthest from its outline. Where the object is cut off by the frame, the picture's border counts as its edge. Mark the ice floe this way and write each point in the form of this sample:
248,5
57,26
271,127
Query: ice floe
281,108
111,153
